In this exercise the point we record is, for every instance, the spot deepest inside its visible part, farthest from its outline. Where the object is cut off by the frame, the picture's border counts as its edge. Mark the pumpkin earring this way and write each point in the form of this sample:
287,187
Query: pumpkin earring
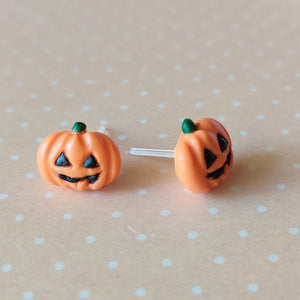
77,159
203,154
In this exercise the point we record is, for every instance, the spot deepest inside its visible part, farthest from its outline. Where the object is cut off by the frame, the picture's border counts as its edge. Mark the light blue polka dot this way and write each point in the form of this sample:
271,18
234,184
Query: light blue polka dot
196,79
196,290
104,122
6,267
19,218
140,292
216,91
260,117
261,209
116,214
230,77
234,188
252,287
29,175
64,123
107,94
142,191
221,119
113,264
162,135
123,107
297,115
110,69
9,109
89,81
287,88
143,93
192,235
14,157
296,166
49,195
243,233
163,171
24,124
285,131
33,96
270,149
59,266
280,186
28,295
3,196
47,109
253,89
70,95
161,106
237,103
199,104
213,210
293,231
273,258
67,216
160,79
122,137
166,262
243,133
164,212
275,102
177,68
39,241
180,92
219,260
38,139
85,108
143,121
90,239
125,81
84,294
53,82
1,140
141,237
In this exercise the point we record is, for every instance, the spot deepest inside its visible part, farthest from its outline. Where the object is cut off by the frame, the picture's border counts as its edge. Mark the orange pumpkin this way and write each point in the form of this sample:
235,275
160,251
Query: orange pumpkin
203,155
78,159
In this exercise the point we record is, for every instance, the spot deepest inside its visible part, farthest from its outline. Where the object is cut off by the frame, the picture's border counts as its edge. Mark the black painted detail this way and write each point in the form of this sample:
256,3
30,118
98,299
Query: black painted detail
222,142
91,178
62,161
216,174
91,162
210,158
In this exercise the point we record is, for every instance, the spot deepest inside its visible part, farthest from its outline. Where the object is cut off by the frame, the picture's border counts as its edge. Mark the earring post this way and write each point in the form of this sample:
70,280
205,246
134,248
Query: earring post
151,152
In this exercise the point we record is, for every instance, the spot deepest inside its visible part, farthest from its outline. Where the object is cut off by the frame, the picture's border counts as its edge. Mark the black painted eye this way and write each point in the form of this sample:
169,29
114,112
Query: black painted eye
62,161
210,158
91,162
222,142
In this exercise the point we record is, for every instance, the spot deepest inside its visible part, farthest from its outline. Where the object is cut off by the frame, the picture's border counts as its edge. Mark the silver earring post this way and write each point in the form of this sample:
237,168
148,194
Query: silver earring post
151,152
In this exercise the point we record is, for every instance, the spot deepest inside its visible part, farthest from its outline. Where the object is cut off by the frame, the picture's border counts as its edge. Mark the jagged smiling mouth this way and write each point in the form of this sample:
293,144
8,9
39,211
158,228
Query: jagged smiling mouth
91,178
216,174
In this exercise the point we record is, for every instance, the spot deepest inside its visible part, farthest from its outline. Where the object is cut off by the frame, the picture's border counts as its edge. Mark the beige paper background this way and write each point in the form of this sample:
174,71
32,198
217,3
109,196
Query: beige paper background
140,67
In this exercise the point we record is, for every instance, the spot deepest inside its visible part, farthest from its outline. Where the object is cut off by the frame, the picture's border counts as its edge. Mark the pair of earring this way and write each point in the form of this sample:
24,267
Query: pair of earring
83,160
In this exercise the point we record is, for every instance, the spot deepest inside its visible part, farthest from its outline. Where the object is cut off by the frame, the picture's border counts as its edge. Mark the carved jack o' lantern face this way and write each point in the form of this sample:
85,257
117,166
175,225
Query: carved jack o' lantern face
79,159
203,155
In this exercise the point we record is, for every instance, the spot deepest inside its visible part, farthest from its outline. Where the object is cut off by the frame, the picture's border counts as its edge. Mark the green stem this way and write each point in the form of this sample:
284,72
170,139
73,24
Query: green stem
188,126
79,127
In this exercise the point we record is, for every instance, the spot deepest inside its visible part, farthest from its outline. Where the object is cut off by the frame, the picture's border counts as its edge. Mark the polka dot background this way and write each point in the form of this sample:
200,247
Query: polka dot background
139,68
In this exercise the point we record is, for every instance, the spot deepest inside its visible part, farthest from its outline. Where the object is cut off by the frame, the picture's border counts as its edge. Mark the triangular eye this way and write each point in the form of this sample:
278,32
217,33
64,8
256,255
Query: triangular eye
62,161
222,142
91,162
210,158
